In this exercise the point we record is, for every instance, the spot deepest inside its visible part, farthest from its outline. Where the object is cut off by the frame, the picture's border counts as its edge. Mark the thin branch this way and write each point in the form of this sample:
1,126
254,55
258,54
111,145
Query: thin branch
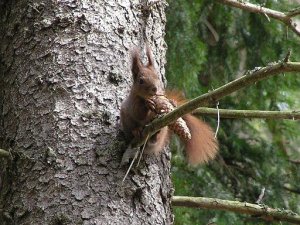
263,211
4,153
290,189
295,191
230,113
212,97
218,121
285,18
295,161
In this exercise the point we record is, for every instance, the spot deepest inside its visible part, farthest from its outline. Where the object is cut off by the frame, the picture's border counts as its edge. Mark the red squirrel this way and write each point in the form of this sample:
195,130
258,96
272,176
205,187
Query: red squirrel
135,114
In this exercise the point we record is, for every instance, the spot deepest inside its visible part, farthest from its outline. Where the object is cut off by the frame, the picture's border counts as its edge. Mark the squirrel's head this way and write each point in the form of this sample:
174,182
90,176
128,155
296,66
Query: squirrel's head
145,79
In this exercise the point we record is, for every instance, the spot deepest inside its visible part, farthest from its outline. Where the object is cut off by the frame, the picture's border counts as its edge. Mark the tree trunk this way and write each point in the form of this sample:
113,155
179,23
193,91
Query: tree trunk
64,73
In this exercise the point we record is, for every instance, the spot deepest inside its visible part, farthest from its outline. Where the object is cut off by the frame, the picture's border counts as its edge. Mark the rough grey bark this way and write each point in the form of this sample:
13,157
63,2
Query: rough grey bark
64,73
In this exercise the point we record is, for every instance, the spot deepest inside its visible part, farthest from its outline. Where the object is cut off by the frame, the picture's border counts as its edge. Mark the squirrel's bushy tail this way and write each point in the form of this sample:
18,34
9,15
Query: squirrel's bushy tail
203,146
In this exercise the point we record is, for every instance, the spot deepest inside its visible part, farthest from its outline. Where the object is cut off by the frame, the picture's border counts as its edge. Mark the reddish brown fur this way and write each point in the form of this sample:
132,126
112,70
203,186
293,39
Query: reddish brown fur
145,79
158,141
135,114
203,146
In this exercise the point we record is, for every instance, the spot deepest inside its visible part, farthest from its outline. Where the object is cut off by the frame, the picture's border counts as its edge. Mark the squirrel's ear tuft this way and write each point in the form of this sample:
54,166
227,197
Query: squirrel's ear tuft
149,55
136,65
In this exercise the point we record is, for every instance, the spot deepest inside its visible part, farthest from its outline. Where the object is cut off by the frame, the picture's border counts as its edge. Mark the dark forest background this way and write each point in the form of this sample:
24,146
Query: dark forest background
210,44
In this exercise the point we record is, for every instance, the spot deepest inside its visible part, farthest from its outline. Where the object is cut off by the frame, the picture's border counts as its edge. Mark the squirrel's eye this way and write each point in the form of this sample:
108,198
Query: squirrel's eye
141,81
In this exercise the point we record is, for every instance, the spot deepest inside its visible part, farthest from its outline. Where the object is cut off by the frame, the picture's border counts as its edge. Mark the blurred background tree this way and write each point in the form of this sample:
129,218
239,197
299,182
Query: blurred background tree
210,44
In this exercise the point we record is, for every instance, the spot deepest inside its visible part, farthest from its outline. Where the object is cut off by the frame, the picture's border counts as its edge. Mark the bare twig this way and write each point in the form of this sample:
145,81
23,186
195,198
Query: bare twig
263,211
142,152
218,124
285,18
230,113
130,166
134,158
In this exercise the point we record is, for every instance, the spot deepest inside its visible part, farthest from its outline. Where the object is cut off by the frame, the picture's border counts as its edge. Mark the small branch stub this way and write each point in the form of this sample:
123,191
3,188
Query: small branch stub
4,153
288,55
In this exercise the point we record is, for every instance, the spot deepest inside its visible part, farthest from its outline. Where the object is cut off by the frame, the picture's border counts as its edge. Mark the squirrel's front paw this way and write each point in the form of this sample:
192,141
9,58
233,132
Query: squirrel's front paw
151,105
156,104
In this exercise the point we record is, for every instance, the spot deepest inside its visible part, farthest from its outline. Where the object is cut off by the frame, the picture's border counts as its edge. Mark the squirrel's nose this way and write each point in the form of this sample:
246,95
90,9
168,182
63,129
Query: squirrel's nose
154,89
